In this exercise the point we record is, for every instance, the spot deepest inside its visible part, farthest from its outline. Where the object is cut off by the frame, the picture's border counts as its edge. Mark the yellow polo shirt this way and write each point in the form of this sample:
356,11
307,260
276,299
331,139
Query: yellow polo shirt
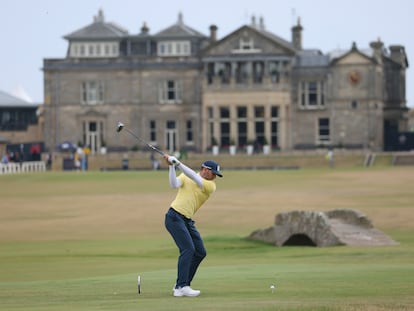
190,196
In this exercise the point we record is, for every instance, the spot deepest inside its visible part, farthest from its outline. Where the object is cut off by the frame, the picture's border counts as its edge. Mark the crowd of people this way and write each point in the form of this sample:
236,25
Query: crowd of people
11,156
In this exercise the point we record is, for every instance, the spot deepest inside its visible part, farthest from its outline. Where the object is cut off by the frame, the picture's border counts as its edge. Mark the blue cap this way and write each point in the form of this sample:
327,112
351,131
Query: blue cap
212,166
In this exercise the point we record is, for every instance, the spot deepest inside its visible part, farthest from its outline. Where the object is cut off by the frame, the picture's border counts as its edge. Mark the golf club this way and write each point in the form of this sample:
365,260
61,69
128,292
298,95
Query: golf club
120,126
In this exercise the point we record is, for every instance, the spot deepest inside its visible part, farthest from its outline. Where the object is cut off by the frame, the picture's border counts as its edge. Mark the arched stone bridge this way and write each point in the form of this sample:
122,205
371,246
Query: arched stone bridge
335,227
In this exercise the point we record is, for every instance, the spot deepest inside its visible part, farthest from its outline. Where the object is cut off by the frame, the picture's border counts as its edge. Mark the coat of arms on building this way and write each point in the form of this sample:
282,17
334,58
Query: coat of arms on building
354,77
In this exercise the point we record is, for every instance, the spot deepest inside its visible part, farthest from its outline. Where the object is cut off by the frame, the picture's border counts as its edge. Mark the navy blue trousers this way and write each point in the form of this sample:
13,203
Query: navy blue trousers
190,244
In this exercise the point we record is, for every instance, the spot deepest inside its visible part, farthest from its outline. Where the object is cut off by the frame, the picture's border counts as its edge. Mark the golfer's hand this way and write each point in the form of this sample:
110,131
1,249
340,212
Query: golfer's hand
166,156
173,161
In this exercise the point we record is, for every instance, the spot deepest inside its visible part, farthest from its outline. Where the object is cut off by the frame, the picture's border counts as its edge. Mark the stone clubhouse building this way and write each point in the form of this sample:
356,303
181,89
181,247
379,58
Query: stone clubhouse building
182,90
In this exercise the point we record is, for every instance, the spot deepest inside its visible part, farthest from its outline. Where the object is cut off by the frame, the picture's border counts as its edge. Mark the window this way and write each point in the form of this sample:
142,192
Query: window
161,49
275,112
225,133
274,71
259,112
274,124
311,95
153,131
17,119
210,113
323,131
213,140
189,131
170,92
274,140
242,133
94,49
224,113
258,69
174,48
170,124
210,116
242,112
259,125
225,126
222,70
246,45
354,104
82,50
114,49
186,48
242,72
242,125
91,52
92,92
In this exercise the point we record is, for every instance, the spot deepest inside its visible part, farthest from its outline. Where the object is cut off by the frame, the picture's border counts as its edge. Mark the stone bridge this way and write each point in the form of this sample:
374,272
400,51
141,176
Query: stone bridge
335,227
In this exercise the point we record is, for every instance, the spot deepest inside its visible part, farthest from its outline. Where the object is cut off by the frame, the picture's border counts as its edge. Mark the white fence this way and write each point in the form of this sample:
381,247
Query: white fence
24,167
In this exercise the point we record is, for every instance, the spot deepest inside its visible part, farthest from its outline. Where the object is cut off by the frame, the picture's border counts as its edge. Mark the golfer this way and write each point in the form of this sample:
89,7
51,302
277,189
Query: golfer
193,190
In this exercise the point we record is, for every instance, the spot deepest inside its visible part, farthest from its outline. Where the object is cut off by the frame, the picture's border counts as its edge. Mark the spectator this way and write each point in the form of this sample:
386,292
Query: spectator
5,159
330,157
155,162
49,161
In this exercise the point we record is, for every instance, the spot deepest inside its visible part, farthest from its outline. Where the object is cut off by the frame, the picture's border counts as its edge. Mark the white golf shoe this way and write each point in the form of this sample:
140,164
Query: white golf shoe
185,291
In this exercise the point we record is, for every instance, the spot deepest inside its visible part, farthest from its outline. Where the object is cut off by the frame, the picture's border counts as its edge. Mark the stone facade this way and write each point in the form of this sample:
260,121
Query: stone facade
180,89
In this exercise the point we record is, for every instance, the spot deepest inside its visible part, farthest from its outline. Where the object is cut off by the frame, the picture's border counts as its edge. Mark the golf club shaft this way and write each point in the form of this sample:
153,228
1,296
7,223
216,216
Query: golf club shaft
140,139
121,126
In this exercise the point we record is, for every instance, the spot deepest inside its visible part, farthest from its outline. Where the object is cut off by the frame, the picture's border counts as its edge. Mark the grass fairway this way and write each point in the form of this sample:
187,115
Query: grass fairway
77,241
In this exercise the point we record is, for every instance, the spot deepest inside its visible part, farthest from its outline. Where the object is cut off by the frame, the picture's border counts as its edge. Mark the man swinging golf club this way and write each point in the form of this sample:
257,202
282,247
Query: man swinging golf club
193,190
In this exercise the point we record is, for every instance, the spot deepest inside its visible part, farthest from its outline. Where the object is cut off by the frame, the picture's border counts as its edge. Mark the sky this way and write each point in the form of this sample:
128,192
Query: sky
33,30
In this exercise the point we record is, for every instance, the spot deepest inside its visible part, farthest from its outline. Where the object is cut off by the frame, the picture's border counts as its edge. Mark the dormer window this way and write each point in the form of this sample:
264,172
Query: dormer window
174,48
94,49
246,45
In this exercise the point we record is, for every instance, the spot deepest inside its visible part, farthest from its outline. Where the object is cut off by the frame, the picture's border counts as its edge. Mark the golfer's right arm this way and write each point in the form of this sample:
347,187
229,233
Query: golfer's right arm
174,181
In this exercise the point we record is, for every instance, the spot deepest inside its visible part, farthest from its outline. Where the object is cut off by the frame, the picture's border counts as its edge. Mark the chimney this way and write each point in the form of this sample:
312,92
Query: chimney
354,46
254,21
377,47
261,23
398,55
180,19
297,35
100,17
213,33
144,29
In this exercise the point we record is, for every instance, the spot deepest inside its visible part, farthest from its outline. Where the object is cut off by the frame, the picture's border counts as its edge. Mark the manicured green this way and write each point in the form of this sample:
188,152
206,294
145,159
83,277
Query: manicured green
78,241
